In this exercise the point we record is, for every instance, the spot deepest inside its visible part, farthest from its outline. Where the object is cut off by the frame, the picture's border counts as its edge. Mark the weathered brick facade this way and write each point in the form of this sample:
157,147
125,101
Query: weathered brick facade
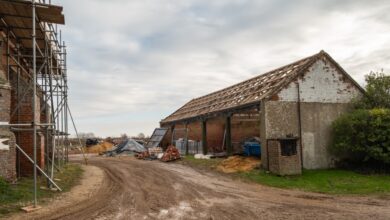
282,165
21,105
7,138
5,102
16,108
7,155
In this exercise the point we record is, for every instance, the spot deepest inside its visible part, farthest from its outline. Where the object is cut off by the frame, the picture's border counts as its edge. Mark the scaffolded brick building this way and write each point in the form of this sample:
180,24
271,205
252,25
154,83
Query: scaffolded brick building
290,108
33,88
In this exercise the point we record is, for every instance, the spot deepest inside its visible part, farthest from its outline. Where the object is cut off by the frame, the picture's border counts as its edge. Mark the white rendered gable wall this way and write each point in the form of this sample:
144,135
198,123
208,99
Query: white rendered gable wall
322,83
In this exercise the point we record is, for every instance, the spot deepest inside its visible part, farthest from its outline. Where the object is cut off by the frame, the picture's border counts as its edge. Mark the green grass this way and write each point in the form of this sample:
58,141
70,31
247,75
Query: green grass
13,197
331,181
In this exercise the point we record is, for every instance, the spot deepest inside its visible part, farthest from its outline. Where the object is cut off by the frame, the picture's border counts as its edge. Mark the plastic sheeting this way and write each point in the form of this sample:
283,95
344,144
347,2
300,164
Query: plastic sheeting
128,145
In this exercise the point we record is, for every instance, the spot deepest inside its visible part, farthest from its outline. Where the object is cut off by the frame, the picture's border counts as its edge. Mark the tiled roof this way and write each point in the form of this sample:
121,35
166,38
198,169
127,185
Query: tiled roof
245,93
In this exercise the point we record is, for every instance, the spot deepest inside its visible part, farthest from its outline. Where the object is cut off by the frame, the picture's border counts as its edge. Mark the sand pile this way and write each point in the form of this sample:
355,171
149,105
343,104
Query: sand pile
101,147
238,164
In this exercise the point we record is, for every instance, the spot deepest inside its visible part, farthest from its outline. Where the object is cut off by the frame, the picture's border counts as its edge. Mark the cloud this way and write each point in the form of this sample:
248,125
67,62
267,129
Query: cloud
143,59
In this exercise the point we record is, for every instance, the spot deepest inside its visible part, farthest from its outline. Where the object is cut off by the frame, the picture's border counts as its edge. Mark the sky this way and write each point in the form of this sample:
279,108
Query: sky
131,63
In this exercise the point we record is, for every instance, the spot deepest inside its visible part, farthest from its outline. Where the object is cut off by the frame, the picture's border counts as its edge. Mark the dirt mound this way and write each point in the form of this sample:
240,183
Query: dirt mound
99,148
238,164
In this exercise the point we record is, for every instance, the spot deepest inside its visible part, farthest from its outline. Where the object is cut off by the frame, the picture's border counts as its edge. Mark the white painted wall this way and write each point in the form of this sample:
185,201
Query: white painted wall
322,83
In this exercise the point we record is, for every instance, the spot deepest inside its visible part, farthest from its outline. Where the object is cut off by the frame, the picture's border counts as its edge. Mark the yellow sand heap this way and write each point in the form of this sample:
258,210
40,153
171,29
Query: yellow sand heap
238,164
99,148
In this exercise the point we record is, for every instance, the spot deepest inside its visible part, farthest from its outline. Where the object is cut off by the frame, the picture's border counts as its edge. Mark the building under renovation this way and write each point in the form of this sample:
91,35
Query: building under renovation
33,88
290,109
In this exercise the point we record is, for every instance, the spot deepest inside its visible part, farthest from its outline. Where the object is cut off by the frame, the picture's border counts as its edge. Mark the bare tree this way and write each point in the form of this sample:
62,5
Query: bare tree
141,135
124,137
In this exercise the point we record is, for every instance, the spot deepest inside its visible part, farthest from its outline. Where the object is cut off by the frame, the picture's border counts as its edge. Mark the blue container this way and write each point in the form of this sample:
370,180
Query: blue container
252,149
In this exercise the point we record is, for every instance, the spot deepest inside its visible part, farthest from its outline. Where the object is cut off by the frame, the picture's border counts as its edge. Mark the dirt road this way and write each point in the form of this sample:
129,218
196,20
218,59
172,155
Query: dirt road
136,189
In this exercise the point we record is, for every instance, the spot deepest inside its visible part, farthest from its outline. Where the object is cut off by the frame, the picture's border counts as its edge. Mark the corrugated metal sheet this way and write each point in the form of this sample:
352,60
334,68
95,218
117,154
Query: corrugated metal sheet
156,138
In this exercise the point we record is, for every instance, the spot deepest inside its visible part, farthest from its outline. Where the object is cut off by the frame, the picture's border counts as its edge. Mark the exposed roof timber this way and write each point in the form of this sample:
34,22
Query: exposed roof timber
17,18
226,112
16,27
250,91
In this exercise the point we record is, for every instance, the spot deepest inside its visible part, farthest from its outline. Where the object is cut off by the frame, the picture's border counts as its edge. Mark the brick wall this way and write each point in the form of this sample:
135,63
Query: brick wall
283,165
2,58
23,114
273,156
7,155
7,149
280,120
5,102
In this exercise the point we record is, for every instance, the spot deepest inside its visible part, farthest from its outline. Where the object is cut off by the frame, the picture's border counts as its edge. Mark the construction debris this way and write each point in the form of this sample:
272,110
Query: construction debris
238,164
31,208
156,138
127,146
143,155
154,151
171,154
202,156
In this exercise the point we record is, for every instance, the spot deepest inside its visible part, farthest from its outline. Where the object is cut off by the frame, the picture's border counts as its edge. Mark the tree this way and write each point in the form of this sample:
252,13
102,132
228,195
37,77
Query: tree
364,134
377,92
141,135
123,137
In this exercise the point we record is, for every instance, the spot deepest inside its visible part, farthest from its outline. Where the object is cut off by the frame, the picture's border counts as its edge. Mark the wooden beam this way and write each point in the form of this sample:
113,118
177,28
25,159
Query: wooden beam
186,138
172,133
222,113
229,148
204,136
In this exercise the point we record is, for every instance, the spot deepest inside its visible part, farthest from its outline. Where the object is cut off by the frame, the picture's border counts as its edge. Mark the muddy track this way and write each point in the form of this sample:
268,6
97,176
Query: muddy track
136,189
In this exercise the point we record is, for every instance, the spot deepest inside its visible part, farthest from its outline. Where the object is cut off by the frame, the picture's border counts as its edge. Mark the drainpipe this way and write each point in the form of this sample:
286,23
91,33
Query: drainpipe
300,123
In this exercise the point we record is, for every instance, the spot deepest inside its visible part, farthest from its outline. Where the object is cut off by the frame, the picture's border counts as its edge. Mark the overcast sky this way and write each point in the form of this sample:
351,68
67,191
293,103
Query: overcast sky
133,62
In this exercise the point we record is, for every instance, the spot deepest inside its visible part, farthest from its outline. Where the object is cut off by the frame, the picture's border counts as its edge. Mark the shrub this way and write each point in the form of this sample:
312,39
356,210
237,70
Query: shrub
377,92
363,135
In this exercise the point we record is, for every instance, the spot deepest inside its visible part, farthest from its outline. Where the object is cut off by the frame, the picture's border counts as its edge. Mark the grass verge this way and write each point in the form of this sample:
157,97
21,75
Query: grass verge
13,197
331,181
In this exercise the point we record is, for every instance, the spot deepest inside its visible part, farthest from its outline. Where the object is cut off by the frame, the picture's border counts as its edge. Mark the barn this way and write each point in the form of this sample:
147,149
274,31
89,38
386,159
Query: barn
290,110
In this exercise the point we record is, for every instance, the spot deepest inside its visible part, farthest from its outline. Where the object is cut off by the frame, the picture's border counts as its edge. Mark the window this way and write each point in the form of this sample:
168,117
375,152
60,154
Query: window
288,147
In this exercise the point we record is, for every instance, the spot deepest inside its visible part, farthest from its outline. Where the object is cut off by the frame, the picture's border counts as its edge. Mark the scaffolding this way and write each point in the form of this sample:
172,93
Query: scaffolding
35,52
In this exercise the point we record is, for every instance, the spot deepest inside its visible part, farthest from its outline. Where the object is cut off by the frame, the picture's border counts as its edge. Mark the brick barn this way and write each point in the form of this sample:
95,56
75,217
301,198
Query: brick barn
290,109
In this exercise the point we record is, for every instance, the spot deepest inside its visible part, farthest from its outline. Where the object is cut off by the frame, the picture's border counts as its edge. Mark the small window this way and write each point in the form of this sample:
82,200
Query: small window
288,147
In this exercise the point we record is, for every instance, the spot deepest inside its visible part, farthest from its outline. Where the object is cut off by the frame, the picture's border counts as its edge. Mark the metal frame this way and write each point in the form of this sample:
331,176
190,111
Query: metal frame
46,70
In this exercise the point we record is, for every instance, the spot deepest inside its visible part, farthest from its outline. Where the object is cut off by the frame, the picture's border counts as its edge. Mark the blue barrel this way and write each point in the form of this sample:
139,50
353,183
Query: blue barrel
252,149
